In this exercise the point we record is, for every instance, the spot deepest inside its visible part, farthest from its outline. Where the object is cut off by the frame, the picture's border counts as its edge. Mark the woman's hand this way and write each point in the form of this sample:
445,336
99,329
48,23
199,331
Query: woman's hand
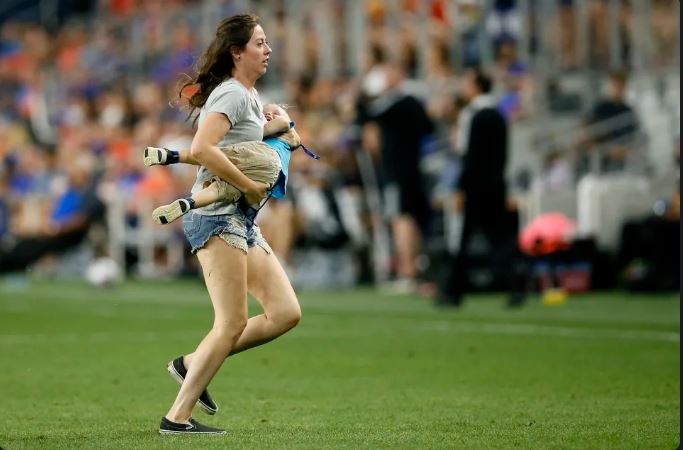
256,192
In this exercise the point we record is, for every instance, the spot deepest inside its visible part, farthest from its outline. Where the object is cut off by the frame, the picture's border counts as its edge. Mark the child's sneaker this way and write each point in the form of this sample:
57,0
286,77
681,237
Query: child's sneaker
155,156
168,213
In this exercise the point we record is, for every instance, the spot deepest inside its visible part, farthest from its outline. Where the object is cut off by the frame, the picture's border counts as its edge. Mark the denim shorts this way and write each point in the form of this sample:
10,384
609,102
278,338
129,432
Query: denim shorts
232,228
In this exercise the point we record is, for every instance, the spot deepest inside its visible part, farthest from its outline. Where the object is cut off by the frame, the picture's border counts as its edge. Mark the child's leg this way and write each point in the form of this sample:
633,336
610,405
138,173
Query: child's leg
218,189
208,195
256,160
185,157
155,156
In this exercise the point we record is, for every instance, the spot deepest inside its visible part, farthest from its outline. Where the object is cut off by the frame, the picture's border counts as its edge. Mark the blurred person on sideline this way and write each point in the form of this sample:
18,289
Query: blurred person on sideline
403,124
611,122
234,256
648,254
481,194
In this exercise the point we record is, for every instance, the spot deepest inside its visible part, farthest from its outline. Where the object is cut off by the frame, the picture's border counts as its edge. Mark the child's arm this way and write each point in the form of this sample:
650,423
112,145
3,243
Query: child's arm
277,125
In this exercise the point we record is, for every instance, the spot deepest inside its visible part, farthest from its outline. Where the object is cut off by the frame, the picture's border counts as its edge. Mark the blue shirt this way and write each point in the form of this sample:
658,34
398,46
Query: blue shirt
67,206
285,153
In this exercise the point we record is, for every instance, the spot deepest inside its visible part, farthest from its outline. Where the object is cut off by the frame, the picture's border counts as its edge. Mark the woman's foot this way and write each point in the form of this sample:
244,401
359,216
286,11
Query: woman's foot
177,370
189,427
168,213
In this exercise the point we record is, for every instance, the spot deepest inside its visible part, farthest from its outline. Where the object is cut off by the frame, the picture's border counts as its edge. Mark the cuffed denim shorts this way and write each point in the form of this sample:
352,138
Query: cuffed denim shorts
232,228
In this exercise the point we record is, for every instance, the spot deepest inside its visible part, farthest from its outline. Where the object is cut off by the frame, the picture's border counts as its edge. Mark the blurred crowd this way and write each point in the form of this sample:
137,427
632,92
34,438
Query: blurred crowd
80,101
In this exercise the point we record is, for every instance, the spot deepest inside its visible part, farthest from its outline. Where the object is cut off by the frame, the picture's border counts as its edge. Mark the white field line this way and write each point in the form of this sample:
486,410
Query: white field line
439,327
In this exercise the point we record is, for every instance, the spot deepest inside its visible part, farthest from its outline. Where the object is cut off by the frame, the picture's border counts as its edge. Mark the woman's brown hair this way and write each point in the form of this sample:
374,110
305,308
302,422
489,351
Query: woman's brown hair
216,63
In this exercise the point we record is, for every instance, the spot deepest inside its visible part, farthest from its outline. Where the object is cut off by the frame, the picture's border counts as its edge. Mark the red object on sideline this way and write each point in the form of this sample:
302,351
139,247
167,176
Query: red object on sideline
547,233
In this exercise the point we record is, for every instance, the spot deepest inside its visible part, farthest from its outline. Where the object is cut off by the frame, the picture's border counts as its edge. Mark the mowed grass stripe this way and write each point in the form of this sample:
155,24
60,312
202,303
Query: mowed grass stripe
434,327
659,313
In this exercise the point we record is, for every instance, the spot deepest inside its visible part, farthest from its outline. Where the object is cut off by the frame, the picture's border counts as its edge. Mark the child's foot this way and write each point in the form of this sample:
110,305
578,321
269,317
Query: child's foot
168,213
155,156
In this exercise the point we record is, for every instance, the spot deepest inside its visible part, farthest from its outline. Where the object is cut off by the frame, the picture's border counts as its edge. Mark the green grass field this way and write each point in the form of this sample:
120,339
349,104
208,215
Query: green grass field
85,368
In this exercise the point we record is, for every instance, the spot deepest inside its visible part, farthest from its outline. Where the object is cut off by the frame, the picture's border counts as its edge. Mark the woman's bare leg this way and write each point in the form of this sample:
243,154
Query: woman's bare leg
225,275
268,283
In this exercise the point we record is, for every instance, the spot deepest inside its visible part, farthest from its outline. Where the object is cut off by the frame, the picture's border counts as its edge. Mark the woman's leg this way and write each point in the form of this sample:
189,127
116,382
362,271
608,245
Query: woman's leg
268,283
225,275
278,225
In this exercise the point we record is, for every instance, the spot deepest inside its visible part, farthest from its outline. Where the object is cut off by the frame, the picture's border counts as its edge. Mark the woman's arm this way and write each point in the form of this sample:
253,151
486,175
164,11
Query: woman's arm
205,150
277,125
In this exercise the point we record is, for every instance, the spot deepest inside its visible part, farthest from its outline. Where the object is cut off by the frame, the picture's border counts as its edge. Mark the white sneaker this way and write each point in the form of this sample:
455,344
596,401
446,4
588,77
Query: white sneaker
168,213
400,286
155,156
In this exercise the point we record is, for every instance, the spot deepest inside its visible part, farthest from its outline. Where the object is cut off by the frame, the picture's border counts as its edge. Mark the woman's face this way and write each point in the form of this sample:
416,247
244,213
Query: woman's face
253,59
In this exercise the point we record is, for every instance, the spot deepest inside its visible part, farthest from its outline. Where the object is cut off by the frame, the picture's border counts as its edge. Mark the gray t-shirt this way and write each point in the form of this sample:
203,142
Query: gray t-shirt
245,112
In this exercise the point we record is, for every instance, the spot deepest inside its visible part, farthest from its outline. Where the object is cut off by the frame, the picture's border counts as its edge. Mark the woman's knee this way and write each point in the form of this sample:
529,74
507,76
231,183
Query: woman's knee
229,332
288,317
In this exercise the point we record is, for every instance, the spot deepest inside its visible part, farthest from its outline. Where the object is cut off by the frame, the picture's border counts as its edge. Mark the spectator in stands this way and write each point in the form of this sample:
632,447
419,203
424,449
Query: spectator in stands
613,129
70,218
481,192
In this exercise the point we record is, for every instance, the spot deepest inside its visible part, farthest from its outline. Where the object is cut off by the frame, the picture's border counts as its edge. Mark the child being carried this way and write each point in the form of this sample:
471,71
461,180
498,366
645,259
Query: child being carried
262,161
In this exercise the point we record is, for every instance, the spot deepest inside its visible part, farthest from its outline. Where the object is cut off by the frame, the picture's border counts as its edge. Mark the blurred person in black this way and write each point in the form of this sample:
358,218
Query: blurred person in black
613,122
481,191
649,248
403,124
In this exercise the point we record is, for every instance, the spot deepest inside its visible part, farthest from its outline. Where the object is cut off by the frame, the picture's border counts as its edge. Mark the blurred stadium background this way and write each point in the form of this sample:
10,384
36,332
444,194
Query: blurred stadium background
86,85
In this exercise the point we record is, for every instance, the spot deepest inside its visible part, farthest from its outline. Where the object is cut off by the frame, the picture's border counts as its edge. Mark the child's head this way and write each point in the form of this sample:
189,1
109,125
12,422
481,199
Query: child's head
274,110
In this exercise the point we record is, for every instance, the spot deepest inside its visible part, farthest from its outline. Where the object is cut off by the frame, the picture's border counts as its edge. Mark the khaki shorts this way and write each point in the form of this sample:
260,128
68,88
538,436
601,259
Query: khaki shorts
256,160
